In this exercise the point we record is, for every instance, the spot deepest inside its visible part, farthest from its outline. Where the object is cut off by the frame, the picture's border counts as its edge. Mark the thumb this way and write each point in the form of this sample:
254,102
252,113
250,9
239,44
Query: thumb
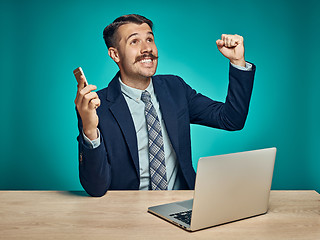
220,43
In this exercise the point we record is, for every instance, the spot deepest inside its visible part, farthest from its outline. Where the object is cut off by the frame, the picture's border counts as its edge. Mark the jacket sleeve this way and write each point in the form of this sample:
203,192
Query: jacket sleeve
94,168
230,115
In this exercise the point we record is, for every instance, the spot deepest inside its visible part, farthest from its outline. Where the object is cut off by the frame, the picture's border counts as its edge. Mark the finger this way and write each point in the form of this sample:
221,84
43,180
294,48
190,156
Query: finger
223,36
233,42
88,97
83,92
87,89
78,98
219,43
227,40
94,103
237,39
82,82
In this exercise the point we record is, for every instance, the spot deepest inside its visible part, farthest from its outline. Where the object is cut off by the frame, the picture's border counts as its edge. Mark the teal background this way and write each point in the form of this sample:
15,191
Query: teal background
43,41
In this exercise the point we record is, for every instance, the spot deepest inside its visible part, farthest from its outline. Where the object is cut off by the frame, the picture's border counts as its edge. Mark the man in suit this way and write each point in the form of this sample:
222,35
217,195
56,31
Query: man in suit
135,133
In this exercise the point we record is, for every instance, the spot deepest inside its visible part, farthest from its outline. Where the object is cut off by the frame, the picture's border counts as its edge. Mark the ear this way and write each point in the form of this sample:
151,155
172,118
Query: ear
114,54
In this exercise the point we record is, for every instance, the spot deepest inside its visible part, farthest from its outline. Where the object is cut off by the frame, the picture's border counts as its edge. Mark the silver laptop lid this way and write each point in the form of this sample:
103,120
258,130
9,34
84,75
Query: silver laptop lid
231,187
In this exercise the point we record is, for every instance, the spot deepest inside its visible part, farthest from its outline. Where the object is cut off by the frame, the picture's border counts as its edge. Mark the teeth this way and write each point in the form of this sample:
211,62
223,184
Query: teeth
146,60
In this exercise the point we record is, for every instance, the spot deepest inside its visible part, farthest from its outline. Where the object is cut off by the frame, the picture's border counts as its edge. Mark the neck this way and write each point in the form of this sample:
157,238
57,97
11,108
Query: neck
139,82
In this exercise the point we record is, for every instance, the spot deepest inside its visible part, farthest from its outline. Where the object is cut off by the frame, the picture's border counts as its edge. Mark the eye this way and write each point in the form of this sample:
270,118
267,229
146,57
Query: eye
134,42
150,40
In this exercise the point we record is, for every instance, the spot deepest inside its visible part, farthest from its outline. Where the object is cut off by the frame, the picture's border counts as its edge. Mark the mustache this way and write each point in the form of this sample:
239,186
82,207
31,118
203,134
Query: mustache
146,55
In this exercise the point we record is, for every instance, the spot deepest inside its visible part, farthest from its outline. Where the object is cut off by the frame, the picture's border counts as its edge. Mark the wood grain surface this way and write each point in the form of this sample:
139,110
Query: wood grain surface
123,215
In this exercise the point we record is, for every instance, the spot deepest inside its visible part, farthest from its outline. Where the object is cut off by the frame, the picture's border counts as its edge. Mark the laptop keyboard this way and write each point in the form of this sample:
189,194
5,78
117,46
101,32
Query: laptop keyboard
184,216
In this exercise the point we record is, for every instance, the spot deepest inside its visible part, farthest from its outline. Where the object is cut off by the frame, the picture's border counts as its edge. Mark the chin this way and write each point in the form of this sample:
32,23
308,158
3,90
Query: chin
148,73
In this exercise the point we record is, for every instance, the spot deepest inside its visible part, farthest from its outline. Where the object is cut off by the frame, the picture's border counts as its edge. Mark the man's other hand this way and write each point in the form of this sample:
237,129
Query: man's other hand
232,47
87,102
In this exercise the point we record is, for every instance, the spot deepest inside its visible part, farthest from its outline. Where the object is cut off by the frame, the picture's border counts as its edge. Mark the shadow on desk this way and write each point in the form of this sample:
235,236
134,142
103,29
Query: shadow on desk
75,193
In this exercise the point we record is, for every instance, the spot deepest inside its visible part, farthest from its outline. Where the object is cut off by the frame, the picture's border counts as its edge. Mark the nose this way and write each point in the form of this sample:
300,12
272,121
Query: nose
146,47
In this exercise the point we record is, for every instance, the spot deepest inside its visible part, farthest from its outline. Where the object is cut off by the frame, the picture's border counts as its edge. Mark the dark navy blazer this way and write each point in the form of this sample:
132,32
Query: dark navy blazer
114,164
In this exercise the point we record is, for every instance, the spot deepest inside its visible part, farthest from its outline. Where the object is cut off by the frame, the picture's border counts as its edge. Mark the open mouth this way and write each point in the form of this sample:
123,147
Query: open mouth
146,59
147,62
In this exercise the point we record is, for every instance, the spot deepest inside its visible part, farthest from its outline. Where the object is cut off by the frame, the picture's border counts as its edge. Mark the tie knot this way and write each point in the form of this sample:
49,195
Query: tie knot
146,97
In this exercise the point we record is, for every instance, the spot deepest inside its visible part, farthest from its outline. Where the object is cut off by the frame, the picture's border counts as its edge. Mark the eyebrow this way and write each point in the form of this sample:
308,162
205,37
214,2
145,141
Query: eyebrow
134,34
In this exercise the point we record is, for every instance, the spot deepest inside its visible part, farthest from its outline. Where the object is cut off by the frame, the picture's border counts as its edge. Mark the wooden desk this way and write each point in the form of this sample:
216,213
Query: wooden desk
123,215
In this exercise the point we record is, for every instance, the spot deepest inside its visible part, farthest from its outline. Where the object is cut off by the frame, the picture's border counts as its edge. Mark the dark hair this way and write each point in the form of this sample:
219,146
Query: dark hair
109,33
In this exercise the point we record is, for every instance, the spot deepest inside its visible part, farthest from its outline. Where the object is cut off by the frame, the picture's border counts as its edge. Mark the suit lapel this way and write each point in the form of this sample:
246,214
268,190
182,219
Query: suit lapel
119,108
168,110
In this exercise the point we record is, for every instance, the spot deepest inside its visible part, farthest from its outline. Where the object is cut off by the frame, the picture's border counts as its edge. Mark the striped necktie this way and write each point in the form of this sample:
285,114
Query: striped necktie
157,165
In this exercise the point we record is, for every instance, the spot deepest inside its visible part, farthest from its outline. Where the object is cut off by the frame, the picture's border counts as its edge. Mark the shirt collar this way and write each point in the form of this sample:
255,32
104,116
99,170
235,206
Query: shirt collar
133,93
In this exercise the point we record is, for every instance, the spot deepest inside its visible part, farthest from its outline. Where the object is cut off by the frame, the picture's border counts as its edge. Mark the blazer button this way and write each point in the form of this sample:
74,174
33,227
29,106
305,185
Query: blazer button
80,157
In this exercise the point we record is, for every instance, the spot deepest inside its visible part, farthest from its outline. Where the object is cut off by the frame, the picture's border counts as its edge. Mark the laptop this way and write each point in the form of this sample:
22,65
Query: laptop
228,188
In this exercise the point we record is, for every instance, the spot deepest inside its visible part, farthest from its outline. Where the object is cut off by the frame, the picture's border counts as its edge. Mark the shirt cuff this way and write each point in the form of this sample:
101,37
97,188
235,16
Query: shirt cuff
92,143
248,67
